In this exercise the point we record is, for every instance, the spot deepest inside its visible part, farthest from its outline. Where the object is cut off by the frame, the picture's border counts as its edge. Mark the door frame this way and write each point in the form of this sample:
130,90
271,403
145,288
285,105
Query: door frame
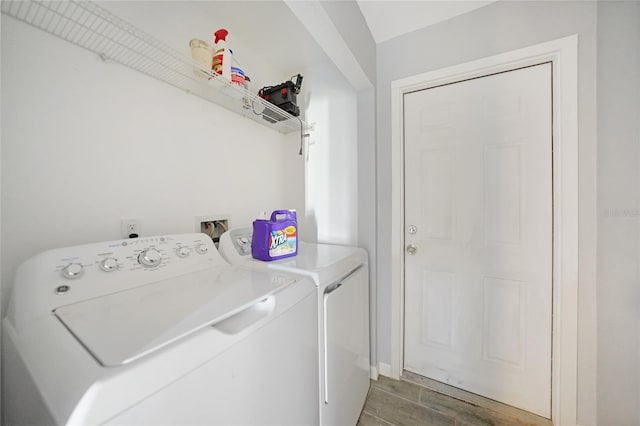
563,54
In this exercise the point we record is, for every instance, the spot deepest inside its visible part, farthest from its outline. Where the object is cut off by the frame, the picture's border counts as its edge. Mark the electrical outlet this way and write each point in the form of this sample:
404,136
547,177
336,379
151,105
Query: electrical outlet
130,228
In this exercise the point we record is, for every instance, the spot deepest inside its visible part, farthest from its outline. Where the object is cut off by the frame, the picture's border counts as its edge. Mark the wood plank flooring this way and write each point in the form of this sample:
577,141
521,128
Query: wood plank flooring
402,403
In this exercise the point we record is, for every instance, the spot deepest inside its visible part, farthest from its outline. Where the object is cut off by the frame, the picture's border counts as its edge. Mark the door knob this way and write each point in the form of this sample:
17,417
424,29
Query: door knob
412,249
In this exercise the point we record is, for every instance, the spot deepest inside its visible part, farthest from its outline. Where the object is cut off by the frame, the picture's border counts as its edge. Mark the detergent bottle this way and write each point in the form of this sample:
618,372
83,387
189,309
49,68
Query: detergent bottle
222,54
275,238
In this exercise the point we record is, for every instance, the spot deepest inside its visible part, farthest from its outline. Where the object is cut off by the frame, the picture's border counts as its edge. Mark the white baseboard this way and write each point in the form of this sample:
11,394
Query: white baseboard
373,372
385,370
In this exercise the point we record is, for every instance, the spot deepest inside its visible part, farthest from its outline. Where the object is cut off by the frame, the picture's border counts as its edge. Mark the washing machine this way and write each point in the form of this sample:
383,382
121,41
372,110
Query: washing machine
342,279
158,330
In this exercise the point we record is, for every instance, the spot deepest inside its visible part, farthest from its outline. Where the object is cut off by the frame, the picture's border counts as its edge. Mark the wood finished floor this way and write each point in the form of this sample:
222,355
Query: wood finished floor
402,403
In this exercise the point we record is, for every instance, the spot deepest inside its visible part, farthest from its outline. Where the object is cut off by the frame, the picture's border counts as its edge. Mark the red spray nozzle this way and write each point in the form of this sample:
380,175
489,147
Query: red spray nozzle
221,34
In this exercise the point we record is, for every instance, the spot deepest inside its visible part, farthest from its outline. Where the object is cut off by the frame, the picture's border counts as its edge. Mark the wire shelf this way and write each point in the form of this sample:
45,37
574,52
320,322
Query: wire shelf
91,27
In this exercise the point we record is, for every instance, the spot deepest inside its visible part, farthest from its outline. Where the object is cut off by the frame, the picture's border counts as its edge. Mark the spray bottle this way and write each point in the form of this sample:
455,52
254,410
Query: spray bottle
222,55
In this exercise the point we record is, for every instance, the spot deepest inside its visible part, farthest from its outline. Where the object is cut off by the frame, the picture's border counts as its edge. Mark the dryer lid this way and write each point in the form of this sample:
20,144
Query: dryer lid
316,257
122,327
324,263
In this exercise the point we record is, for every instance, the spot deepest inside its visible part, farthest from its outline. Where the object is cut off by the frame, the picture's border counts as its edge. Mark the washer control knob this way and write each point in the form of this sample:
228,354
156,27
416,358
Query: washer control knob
183,251
72,270
109,264
150,258
202,248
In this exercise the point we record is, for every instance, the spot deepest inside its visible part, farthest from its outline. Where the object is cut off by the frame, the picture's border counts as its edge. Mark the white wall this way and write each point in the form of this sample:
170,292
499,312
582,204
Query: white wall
367,204
332,205
493,29
618,213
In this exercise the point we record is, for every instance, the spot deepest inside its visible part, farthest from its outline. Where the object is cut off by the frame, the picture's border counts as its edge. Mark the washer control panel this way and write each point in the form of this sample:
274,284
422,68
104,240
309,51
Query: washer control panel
73,274
241,239
153,254
235,245
119,264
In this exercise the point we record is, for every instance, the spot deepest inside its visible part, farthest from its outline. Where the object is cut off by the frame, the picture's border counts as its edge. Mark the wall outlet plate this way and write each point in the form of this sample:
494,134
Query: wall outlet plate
130,227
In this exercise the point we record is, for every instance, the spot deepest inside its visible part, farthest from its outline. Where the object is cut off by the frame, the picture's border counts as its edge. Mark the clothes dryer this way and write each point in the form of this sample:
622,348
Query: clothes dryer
157,331
342,278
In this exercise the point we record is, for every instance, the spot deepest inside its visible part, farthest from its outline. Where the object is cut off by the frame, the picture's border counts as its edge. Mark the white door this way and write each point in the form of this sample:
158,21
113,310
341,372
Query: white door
478,212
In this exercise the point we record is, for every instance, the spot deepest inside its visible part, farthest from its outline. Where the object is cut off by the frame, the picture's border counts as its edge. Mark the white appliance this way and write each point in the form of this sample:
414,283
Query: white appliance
342,278
158,331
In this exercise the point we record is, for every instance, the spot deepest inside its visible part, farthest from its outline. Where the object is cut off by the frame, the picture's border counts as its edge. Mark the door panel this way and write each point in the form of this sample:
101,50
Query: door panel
478,189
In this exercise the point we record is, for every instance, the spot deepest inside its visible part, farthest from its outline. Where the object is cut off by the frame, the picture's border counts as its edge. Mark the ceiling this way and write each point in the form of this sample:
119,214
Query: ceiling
390,18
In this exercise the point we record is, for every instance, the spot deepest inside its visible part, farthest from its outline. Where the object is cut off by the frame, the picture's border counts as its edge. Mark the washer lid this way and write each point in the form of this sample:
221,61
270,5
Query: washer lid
124,326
